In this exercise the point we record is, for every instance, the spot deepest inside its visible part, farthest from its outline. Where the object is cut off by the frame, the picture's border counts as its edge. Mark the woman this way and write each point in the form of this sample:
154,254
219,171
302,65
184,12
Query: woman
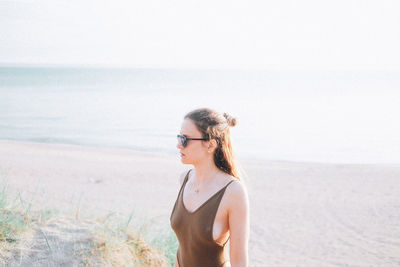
212,204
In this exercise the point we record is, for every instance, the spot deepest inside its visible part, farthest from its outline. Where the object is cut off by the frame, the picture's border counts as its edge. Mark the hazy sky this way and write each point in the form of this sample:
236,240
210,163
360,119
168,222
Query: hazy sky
308,34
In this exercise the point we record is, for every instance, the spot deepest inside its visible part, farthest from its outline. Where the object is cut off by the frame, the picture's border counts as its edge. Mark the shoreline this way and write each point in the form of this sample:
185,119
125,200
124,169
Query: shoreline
246,161
309,214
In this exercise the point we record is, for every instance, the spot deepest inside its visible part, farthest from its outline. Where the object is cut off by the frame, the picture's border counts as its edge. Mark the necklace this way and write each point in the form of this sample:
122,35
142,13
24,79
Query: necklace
196,188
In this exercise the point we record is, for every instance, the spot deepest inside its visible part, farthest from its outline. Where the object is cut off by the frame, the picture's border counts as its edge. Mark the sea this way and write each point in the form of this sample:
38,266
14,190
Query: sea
304,116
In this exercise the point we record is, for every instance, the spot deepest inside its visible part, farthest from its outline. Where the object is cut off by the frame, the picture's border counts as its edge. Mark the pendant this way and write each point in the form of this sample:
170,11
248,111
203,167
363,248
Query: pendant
196,190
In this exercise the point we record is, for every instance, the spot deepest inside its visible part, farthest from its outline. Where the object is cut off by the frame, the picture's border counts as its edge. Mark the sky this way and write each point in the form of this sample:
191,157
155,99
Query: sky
270,35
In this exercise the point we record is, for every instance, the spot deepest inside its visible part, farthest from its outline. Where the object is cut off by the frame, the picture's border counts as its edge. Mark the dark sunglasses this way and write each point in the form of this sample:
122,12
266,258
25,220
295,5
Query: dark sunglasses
183,139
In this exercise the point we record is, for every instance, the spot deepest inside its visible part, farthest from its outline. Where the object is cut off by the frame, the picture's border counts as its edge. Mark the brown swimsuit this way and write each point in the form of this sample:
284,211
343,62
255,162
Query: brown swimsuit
194,231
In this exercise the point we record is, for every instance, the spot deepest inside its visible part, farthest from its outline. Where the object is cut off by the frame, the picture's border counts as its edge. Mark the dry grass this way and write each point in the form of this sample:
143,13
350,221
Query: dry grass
125,245
15,225
27,237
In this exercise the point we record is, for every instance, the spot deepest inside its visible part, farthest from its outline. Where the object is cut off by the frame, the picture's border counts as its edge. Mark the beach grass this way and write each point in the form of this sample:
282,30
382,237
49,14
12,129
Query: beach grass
165,238
15,223
114,240
12,220
126,242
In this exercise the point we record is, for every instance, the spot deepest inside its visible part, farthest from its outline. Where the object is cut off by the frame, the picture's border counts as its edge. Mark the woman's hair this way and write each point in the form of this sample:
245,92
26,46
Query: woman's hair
214,125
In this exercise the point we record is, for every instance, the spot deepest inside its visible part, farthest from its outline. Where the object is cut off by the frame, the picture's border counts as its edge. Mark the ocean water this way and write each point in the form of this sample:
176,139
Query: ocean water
336,117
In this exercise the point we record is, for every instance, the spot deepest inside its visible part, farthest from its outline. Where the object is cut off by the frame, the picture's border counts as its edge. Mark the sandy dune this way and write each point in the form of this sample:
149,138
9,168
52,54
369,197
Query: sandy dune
60,242
302,214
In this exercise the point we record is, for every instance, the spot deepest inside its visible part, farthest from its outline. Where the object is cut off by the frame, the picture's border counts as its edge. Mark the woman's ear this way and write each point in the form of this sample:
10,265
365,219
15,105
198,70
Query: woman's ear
212,145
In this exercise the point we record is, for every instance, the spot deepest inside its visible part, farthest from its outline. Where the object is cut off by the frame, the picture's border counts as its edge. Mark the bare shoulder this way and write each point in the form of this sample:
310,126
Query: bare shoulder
182,177
237,194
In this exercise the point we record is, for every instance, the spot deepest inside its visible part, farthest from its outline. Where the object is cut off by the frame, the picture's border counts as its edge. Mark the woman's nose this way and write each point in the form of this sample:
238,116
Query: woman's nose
179,145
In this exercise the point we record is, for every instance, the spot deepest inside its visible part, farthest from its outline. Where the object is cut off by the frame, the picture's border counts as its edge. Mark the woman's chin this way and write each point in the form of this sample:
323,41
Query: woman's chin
184,160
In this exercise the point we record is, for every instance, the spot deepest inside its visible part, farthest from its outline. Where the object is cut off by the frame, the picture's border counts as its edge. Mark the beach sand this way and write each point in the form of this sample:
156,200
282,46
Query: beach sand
302,214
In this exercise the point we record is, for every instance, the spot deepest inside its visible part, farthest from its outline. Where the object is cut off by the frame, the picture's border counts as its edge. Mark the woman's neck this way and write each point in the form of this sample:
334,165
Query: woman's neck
206,171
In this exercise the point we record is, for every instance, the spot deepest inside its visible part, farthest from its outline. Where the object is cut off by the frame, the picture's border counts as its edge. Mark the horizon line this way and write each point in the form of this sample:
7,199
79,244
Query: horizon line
169,67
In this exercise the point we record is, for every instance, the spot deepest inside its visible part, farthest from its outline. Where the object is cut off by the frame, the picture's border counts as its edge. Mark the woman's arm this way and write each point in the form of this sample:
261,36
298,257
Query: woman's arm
238,225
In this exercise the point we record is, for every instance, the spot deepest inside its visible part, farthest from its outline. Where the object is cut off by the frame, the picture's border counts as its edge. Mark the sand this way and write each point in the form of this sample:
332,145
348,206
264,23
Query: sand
302,214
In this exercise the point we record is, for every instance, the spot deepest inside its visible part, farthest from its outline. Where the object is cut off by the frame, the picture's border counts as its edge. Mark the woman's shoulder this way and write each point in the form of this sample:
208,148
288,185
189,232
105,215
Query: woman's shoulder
236,186
182,177
236,192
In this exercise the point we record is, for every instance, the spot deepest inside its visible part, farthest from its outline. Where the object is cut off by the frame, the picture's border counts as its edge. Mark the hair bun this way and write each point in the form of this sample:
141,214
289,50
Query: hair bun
231,120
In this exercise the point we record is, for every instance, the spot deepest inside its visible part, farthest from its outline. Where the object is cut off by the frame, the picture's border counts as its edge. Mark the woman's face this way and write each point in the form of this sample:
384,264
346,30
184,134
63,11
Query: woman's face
195,150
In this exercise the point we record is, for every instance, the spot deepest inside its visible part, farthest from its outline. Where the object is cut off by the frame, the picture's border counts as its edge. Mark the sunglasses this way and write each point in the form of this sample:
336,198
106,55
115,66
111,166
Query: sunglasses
183,139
